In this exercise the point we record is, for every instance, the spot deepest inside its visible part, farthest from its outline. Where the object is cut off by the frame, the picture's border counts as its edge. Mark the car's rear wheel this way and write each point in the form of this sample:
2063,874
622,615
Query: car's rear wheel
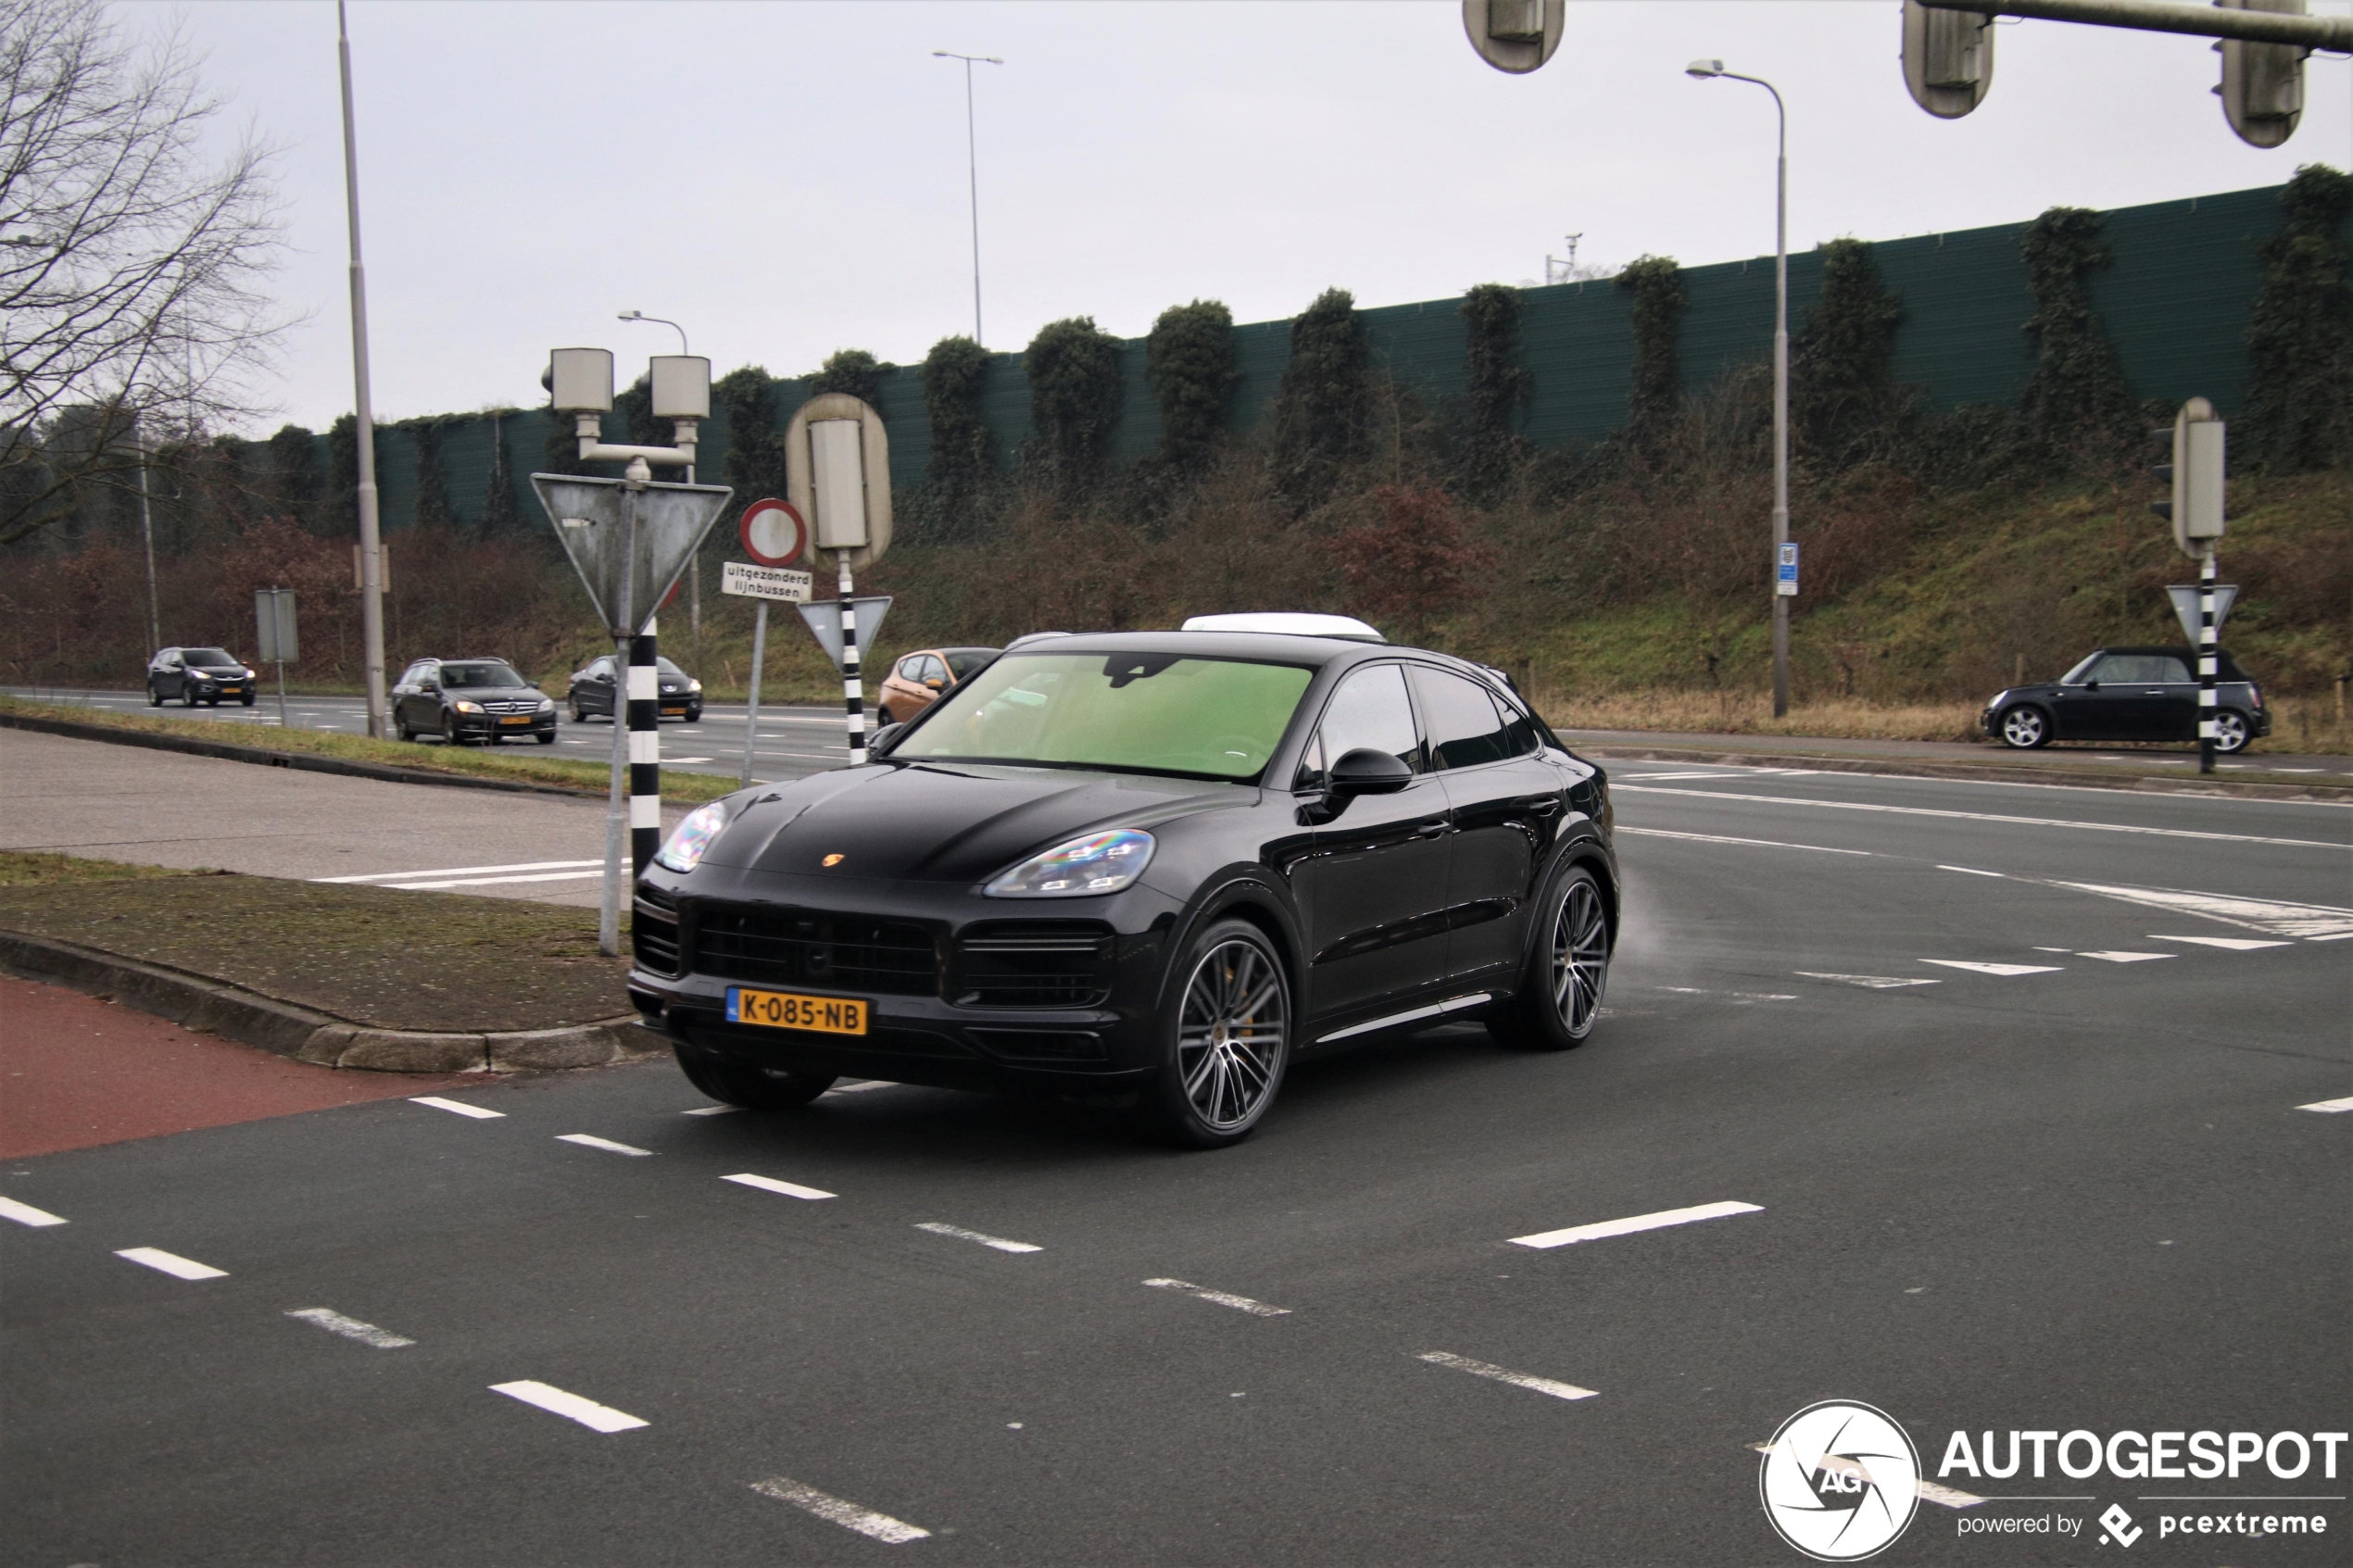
1560,994
578,716
1227,1039
2232,732
2024,727
753,1088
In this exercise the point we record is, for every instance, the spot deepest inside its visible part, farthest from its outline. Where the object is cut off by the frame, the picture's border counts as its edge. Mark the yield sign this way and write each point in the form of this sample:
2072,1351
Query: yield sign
628,563
2185,607
824,622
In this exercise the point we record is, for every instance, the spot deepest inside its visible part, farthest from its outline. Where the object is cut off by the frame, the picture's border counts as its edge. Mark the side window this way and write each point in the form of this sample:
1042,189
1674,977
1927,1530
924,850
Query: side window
1520,738
932,669
1465,728
2173,671
412,675
1369,711
911,668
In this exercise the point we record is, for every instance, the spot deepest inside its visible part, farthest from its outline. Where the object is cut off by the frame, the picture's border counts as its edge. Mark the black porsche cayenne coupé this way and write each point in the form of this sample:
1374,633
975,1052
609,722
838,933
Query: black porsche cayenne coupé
1147,867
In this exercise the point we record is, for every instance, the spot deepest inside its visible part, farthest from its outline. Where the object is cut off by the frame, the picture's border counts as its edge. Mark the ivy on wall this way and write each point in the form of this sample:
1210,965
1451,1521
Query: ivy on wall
1189,361
1496,387
855,372
433,478
1657,396
955,389
2299,345
1845,407
1074,397
500,511
1324,405
2077,400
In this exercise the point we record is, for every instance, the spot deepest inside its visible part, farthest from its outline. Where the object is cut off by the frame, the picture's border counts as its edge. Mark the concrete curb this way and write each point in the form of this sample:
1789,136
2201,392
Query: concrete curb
217,1008
1998,772
303,762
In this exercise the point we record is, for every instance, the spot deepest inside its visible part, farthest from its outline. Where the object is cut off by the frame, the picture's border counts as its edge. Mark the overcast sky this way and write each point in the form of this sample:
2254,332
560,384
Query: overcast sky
789,178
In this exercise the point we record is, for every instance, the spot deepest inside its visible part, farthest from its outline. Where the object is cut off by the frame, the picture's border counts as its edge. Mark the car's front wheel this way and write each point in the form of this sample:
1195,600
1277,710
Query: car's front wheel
2232,732
2025,727
1227,1039
1560,992
753,1088
248,699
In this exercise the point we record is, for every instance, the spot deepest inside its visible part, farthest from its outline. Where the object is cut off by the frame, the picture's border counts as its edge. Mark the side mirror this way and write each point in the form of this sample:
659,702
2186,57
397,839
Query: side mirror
880,740
429,685
933,684
1367,771
2090,686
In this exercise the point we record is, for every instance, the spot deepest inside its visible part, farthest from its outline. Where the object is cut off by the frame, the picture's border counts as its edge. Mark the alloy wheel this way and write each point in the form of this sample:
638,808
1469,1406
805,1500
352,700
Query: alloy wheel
2022,727
1580,957
1231,1035
2230,732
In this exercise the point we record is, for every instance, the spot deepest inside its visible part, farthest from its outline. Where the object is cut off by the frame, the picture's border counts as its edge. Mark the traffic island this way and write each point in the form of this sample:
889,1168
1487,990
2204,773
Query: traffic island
336,974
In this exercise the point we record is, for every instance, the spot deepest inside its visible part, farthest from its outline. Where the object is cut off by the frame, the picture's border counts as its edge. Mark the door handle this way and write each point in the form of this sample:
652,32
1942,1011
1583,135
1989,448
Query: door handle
1432,827
1543,805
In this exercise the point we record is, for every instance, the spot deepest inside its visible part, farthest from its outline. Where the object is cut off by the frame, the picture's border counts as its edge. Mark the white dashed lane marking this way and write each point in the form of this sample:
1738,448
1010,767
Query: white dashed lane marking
769,1184
999,1242
1557,1390
1972,871
352,1328
458,1107
1659,1221
590,1140
2329,1105
1240,1303
1985,817
1758,843
26,1214
1868,982
849,1515
588,1412
2122,957
170,1264
2005,969
708,1111
2228,943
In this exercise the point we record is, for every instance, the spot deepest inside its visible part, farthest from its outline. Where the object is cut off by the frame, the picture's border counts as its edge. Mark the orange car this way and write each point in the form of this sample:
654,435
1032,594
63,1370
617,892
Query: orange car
917,681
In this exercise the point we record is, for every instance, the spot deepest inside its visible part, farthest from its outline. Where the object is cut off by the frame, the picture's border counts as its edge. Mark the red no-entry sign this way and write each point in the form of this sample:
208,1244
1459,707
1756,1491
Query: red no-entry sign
774,532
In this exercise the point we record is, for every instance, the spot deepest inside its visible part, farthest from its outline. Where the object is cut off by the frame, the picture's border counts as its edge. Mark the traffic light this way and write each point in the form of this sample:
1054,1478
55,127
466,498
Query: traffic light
1948,58
2197,474
2262,88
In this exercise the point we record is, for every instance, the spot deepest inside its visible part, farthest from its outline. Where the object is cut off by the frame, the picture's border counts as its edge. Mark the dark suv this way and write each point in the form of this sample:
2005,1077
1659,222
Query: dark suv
195,675
471,699
2131,694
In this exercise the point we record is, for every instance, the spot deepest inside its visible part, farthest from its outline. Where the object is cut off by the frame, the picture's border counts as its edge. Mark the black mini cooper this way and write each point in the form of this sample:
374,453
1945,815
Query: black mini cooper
2131,694
1140,867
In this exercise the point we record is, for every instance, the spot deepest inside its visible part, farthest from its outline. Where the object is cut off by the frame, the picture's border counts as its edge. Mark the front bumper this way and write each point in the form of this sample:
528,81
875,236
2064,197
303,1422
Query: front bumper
473,725
943,1032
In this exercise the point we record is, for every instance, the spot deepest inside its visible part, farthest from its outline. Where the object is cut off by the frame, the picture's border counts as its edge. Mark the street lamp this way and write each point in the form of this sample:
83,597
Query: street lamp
693,567
972,165
1704,69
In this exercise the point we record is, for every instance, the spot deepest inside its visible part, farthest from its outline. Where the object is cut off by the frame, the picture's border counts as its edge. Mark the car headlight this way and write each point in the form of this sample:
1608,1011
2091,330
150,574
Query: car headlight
547,705
462,706
694,686
1101,862
248,675
692,838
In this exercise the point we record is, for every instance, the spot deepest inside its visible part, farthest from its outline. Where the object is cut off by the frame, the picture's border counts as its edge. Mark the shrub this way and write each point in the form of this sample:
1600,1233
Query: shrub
1189,361
1324,405
2077,401
1656,398
2299,345
1495,385
1074,397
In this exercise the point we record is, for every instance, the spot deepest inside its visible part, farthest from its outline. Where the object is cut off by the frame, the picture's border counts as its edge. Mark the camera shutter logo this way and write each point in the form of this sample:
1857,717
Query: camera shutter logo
1840,1481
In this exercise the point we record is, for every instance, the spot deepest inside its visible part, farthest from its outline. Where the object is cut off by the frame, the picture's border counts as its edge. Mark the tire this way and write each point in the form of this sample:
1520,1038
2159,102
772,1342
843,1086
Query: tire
154,699
1226,1035
188,698
2232,733
577,716
753,1088
545,737
248,699
2024,727
212,702
1559,998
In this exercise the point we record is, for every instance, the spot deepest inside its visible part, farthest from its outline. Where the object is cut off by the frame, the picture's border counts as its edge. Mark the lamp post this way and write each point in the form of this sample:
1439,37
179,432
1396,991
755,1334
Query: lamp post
371,602
693,567
972,166
1704,69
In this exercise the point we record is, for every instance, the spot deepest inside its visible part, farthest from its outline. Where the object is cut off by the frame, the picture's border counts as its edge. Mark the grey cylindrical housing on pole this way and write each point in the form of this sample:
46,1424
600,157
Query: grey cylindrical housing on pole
371,610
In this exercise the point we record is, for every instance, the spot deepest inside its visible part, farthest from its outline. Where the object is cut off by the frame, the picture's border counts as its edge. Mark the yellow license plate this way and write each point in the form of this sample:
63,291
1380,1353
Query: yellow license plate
519,718
785,1010
671,712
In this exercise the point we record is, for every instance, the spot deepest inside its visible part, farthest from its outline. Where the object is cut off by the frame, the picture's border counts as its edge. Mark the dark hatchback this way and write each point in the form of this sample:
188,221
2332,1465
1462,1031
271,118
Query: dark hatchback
211,676
482,699
1145,867
591,690
2129,694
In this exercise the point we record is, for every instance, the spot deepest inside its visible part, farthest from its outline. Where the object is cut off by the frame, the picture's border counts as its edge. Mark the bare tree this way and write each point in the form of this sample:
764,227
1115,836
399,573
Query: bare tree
133,266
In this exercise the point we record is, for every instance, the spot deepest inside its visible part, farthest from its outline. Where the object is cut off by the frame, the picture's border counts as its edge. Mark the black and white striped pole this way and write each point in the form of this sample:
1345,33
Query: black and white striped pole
645,750
838,474
2199,513
853,683
2207,655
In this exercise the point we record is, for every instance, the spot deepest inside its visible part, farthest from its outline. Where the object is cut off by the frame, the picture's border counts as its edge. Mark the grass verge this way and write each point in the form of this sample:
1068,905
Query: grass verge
37,868
485,762
392,960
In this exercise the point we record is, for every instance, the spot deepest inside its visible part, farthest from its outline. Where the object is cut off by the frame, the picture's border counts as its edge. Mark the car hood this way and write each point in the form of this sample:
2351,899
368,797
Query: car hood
492,693
934,822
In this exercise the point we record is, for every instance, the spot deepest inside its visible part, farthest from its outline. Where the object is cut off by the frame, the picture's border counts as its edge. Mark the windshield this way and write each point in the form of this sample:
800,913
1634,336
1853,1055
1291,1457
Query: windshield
1142,712
2076,676
459,677
661,663
211,658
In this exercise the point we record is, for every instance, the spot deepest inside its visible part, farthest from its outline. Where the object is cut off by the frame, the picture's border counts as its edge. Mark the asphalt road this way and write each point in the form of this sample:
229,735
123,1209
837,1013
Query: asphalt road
2004,1082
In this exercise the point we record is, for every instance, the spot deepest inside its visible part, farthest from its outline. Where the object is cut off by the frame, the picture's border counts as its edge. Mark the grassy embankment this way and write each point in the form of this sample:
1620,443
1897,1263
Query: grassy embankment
518,766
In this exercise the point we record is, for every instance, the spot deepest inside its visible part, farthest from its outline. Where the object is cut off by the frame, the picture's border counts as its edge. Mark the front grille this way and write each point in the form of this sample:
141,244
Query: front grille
523,705
805,947
653,931
1033,964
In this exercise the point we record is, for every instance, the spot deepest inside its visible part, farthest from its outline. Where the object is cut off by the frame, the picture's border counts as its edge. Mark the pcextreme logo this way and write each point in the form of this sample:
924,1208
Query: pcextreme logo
1840,1481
